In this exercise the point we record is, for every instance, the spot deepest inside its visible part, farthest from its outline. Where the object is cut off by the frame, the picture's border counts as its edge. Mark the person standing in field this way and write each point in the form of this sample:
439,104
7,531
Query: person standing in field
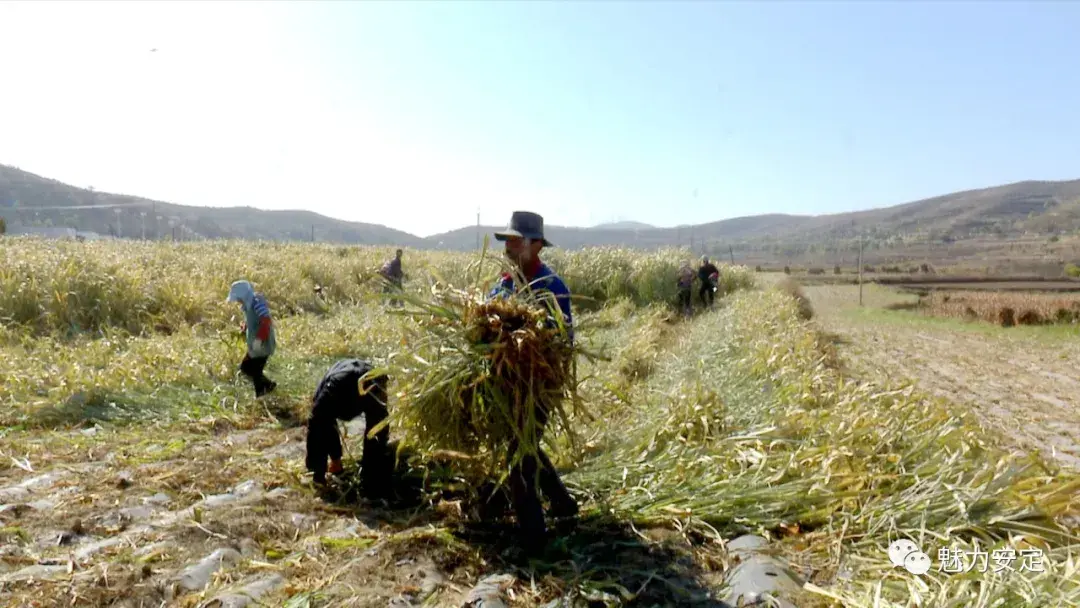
260,334
343,394
707,274
393,273
686,283
524,240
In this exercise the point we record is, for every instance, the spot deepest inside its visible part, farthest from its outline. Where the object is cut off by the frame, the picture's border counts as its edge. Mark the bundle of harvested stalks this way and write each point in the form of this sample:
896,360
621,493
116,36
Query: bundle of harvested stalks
485,376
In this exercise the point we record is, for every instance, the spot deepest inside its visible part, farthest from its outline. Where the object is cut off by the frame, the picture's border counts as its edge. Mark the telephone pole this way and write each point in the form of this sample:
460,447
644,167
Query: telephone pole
860,268
478,229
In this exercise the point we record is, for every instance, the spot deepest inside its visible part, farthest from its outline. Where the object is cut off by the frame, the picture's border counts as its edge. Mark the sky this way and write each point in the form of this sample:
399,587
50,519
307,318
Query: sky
418,115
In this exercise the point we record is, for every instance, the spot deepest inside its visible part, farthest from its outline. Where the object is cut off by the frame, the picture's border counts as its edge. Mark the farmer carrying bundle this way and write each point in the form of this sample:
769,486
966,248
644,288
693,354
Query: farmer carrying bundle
392,272
524,239
490,370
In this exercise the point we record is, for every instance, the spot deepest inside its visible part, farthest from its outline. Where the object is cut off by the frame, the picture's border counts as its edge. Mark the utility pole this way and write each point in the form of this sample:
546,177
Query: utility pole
142,219
478,229
313,233
731,252
860,269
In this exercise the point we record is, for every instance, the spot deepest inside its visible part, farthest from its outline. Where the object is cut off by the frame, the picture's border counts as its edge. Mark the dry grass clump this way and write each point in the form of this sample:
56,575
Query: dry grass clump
1004,308
604,274
484,376
794,290
67,288
758,433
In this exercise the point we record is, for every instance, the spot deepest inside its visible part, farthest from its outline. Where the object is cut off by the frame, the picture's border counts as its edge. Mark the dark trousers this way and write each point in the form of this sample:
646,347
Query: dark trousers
344,402
536,472
684,298
394,286
706,290
253,367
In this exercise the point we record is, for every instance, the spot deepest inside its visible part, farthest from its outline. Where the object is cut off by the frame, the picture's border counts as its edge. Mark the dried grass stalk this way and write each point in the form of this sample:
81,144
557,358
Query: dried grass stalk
486,376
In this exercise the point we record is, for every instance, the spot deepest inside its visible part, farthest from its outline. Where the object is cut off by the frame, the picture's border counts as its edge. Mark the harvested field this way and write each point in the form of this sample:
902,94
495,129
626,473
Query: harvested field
136,469
1014,286
1003,308
1021,380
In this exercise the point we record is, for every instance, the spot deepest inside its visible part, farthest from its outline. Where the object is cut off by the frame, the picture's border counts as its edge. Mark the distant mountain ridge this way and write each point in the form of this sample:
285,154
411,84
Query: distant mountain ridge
1042,207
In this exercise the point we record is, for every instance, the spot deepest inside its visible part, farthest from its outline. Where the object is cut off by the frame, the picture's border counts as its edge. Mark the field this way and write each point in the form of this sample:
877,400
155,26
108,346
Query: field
1007,309
1019,379
137,469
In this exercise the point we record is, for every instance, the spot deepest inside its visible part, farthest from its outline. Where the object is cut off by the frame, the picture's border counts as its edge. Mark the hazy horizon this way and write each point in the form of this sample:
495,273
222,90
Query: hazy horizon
416,116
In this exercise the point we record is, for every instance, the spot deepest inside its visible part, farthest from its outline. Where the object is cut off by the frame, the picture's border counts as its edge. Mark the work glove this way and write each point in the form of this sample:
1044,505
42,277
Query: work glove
257,347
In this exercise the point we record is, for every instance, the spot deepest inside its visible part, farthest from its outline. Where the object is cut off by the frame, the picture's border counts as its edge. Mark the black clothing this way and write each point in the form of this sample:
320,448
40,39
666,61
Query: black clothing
706,289
338,397
253,367
705,270
684,299
523,492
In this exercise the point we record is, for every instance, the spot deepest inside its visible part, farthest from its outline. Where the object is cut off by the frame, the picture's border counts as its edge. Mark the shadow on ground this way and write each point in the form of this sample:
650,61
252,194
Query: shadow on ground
596,558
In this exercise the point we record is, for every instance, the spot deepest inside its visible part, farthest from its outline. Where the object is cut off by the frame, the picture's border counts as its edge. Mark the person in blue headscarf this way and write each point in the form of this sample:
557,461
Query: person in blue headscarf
261,337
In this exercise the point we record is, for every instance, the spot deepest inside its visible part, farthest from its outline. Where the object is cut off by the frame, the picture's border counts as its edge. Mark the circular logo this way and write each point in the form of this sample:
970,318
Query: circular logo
899,550
917,562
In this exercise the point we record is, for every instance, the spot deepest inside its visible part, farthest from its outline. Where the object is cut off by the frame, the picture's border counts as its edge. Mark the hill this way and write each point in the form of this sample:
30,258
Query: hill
1012,210
27,199
623,226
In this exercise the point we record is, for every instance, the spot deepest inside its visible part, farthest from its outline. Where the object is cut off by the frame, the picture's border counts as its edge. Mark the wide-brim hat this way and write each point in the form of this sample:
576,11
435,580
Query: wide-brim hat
524,224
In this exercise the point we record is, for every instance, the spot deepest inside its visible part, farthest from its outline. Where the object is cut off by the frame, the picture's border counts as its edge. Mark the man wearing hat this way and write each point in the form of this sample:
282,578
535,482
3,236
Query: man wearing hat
524,239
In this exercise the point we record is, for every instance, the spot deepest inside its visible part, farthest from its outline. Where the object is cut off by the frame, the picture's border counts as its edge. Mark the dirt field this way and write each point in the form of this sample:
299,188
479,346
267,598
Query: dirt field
1024,286
1022,379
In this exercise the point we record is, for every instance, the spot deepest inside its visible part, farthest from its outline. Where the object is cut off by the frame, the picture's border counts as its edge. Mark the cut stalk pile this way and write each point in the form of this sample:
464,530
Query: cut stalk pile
485,377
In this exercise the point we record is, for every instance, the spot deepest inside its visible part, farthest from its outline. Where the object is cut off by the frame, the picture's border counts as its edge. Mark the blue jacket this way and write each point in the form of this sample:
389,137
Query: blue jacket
545,281
256,317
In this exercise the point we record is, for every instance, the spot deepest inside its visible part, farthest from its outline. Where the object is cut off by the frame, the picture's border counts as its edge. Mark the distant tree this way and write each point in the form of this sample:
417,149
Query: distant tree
3,226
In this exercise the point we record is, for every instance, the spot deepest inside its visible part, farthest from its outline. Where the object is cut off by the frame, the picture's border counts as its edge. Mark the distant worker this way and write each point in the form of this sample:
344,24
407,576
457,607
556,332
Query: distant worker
686,283
393,273
343,394
709,275
259,329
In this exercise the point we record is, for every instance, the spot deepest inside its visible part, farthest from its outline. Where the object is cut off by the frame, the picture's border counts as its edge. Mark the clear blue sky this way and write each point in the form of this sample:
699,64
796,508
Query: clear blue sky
414,114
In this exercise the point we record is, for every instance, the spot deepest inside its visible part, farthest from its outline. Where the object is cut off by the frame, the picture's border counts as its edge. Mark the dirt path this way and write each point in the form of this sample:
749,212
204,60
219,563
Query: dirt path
1025,381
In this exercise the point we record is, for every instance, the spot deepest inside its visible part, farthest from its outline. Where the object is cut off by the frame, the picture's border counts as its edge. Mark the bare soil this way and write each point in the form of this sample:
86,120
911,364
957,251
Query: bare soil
1025,381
